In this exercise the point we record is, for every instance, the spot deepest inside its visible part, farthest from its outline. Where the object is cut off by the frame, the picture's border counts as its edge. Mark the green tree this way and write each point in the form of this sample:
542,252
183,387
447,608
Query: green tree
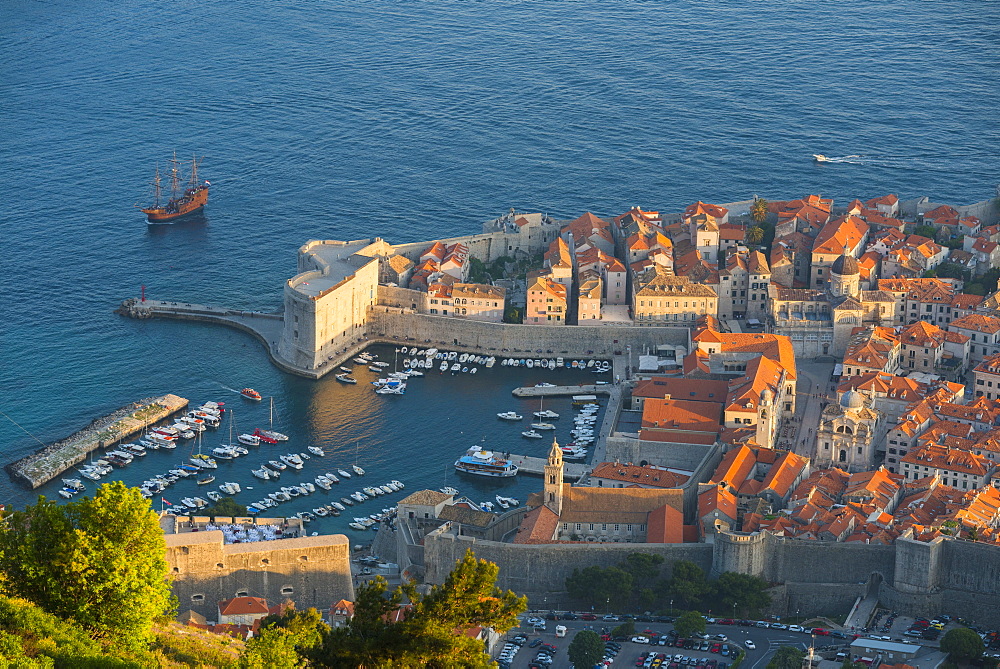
627,628
431,634
600,586
974,289
687,584
271,648
743,590
755,235
99,561
586,649
951,270
512,315
227,506
306,628
689,623
989,280
644,567
962,644
787,657
758,210
928,231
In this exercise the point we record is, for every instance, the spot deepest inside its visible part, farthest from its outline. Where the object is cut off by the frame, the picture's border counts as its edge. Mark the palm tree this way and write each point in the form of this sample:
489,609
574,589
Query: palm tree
758,210
755,235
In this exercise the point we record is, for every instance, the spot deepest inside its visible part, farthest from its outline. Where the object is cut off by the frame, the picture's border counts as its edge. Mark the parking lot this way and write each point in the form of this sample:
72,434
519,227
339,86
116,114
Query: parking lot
759,643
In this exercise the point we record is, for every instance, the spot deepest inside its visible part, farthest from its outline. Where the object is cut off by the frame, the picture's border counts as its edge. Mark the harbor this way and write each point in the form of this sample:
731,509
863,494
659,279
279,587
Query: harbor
48,463
562,391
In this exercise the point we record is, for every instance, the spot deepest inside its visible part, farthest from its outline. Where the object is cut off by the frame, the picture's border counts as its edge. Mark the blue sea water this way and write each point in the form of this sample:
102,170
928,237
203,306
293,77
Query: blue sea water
415,120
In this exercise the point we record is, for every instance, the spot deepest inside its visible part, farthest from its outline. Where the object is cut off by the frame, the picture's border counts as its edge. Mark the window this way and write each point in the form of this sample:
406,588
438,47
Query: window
287,590
197,598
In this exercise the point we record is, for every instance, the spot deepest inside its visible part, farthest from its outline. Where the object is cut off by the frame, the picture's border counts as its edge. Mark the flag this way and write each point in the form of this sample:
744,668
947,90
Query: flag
207,182
165,501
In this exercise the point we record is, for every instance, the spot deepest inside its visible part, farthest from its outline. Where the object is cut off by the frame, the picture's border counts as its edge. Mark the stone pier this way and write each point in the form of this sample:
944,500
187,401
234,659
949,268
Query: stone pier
48,463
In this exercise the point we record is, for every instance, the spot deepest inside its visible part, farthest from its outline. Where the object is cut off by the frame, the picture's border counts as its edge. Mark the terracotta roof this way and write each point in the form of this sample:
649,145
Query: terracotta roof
681,415
537,527
977,322
656,282
699,207
718,499
885,199
946,459
425,498
478,290
343,607
784,472
844,231
585,504
636,474
243,606
665,525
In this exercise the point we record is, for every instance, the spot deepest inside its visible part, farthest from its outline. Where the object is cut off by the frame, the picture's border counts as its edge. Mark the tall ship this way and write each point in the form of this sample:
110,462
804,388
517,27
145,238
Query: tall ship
485,463
184,200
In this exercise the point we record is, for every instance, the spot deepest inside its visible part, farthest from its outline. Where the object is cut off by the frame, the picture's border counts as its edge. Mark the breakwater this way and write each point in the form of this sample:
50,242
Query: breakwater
558,391
51,461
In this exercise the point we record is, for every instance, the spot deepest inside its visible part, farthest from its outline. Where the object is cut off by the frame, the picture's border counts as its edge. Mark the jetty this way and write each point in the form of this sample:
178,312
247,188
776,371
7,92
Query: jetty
557,391
527,464
49,462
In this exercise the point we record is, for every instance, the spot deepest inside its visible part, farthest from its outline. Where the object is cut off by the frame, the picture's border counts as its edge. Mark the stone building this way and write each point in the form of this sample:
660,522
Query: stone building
955,467
661,298
986,378
479,301
310,571
326,304
848,432
547,303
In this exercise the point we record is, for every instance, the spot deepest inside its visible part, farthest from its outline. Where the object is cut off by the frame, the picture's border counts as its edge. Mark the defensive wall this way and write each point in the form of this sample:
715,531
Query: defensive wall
311,571
577,340
946,576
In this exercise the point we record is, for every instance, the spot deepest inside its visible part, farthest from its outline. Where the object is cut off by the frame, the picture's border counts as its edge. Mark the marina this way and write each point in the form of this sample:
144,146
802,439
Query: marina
445,415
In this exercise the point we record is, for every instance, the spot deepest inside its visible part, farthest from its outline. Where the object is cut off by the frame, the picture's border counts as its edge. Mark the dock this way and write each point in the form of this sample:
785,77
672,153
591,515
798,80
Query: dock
527,464
51,461
556,391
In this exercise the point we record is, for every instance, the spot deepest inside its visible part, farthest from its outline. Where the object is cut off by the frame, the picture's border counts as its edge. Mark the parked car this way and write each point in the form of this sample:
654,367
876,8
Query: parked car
611,617
588,616
640,639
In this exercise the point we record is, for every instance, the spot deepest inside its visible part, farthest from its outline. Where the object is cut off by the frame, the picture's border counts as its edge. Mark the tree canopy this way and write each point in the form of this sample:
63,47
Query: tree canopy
689,624
962,644
687,584
758,210
99,561
600,586
432,630
787,657
755,235
226,506
586,649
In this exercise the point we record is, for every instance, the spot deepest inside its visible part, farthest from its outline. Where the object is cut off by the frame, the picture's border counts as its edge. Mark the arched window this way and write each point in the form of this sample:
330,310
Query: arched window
845,429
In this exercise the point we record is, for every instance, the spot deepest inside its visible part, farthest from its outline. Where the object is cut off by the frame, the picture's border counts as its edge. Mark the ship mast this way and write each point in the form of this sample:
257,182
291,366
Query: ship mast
174,178
156,187
194,172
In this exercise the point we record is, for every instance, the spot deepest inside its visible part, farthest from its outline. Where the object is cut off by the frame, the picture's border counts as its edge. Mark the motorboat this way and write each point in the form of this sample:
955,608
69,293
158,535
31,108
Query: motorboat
531,434
510,415
316,450
448,490
263,437
213,495
347,500
249,439
292,460
543,426
277,465
548,413
251,394
502,502
74,484
346,370
399,485
345,378
323,482
332,477
482,462
230,488
820,158
206,480
338,506
343,474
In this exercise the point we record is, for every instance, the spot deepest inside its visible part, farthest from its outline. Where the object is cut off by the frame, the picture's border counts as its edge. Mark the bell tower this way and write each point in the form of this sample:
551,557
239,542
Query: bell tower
553,490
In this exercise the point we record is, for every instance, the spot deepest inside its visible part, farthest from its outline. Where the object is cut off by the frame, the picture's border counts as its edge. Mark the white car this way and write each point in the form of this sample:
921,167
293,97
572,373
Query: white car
640,639
750,644
796,628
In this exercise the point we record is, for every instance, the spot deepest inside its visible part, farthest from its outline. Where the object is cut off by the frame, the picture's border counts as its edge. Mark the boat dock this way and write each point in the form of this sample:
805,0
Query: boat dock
527,464
555,391
41,467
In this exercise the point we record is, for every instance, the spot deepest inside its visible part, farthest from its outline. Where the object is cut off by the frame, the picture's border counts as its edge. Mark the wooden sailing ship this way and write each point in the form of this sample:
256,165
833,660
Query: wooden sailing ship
183,200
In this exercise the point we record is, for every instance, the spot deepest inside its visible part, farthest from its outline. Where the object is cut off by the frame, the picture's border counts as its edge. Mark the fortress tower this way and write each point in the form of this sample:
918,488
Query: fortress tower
553,491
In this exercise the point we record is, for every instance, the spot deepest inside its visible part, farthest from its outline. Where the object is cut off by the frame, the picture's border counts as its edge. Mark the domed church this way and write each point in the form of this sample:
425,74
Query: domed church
847,433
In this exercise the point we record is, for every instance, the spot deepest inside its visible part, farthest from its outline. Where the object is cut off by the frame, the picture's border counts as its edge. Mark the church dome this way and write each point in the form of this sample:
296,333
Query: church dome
852,399
845,265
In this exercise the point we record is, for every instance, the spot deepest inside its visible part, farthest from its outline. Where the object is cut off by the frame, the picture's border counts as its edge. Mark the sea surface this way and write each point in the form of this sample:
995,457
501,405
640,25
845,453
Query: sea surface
416,120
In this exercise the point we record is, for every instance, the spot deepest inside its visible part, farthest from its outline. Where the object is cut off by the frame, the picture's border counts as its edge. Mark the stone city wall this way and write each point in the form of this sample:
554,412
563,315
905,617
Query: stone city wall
662,454
499,338
311,571
541,569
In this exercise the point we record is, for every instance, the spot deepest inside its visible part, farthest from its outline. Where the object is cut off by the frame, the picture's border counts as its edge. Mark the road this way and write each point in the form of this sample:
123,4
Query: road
767,642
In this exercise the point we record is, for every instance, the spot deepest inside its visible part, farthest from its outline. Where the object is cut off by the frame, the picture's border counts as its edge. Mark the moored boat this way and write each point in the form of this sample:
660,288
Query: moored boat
485,463
182,202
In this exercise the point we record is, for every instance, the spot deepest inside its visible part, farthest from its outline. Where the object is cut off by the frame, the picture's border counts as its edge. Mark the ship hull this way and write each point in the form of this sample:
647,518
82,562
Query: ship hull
192,202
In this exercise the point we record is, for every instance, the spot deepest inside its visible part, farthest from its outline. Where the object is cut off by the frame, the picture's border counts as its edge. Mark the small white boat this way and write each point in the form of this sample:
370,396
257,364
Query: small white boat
531,434
510,415
323,482
456,367
546,414
399,485
346,370
316,450
249,439
444,366
820,158
345,378
213,495
543,426
529,363
332,477
343,474
502,502
358,470
448,490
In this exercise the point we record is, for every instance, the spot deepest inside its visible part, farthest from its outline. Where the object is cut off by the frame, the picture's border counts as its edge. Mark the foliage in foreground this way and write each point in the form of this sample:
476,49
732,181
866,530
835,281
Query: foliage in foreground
962,644
99,561
586,649
787,657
